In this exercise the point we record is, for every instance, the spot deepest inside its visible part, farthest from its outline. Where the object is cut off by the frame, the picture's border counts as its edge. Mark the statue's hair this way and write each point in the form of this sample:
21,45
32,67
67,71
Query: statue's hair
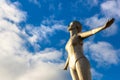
78,25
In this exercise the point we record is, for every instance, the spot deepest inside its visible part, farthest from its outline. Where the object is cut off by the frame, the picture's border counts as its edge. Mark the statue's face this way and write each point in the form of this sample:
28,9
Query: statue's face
75,25
71,26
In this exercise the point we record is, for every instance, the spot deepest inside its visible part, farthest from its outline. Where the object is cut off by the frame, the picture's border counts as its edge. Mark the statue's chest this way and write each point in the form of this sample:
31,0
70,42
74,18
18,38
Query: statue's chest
73,41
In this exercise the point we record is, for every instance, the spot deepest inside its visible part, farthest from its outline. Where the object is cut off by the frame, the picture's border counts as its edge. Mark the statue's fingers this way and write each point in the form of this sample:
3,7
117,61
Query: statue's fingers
112,20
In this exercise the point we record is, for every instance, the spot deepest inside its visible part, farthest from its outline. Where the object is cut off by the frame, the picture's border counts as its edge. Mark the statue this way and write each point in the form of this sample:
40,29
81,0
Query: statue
78,63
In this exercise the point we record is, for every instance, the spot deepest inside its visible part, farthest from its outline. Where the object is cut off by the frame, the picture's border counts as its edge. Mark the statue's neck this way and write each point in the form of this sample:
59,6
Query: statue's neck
73,32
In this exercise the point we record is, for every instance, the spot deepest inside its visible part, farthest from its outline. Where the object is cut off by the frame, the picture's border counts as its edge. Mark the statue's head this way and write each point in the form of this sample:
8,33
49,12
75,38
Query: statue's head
75,24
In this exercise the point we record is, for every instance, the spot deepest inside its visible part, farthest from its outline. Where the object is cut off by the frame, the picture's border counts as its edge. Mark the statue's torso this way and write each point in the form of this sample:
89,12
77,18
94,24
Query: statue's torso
74,48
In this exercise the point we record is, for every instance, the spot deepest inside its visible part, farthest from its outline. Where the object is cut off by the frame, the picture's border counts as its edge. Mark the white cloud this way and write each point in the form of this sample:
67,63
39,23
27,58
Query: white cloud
45,65
111,8
45,71
8,11
8,30
16,62
33,67
94,22
104,53
49,54
11,43
11,66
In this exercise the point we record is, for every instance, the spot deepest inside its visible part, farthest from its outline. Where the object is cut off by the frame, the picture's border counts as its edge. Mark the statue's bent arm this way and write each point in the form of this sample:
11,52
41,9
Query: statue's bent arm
93,31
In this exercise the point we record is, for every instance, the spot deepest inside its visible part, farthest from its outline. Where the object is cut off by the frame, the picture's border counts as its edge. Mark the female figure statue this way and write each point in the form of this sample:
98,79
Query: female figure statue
78,63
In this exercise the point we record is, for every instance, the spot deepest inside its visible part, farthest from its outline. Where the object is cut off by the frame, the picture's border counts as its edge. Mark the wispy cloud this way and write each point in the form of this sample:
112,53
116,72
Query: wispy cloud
51,7
36,2
42,32
76,4
96,75
51,20
92,3
47,28
60,6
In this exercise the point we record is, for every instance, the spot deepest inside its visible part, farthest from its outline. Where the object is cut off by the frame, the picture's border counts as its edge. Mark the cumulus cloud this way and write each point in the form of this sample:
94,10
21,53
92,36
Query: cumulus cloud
45,65
8,11
9,30
49,55
17,63
103,53
111,8
42,65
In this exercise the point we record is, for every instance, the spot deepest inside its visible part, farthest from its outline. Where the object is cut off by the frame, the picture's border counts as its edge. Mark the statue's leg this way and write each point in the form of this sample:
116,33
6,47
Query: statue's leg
83,69
73,74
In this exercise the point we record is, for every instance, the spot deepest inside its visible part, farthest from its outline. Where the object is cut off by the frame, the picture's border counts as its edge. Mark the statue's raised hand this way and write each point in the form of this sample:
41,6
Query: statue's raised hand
109,23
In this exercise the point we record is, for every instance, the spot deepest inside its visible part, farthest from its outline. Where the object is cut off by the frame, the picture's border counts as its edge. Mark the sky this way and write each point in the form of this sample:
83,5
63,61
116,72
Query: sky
33,35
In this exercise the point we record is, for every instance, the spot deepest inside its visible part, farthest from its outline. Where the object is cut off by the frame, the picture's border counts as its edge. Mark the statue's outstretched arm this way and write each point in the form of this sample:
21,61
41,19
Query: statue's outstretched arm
93,31
66,64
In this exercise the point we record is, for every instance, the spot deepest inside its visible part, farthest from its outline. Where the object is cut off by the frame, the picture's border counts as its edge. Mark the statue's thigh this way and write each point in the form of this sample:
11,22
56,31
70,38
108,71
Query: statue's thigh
74,74
83,69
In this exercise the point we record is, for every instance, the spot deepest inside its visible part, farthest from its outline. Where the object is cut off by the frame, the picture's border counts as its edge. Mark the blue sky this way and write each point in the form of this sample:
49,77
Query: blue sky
33,34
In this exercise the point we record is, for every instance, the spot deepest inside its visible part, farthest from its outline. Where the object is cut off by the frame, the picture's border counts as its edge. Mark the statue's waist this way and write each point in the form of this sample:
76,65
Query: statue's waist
76,57
73,60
